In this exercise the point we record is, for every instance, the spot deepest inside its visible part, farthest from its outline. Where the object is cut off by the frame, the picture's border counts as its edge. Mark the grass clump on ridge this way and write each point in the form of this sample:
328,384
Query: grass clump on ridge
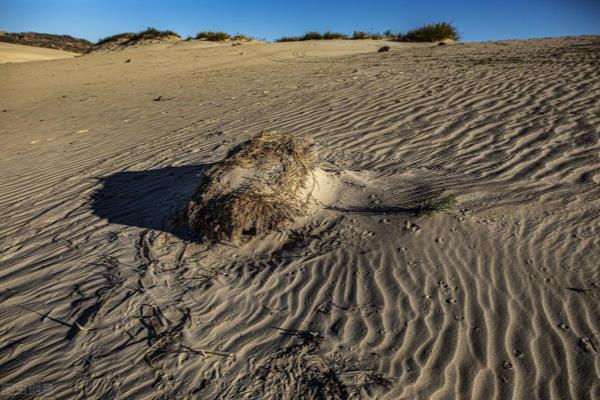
289,39
242,38
117,38
213,36
358,35
334,35
313,35
330,35
431,33
148,34
260,186
427,33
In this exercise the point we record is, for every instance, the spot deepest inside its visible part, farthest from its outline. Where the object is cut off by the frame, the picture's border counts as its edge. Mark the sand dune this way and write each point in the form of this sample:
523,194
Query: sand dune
15,53
496,298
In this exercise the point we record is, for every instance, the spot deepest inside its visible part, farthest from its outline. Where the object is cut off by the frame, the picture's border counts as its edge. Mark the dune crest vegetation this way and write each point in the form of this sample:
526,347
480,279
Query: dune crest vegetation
430,33
329,35
48,41
215,36
126,39
427,33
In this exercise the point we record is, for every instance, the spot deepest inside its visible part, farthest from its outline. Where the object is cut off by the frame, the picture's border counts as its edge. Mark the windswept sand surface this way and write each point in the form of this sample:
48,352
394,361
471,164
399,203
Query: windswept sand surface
495,299
15,53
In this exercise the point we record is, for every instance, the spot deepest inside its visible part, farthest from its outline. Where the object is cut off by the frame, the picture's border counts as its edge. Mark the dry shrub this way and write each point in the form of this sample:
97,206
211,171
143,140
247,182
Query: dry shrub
213,36
262,185
431,33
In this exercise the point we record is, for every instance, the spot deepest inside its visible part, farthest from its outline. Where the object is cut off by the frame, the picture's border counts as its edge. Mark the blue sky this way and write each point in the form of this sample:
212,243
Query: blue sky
270,19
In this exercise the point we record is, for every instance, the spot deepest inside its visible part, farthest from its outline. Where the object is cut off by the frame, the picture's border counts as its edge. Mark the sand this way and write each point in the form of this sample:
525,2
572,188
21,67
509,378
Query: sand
496,298
16,53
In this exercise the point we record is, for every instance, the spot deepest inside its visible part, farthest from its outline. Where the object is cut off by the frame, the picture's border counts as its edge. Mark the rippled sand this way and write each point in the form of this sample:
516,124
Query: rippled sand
496,298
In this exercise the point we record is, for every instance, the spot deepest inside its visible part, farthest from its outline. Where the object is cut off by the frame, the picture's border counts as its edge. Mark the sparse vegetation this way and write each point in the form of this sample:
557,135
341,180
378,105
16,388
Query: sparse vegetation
120,37
383,49
313,36
331,35
242,38
213,36
307,36
358,35
132,38
216,36
334,35
289,39
430,33
437,204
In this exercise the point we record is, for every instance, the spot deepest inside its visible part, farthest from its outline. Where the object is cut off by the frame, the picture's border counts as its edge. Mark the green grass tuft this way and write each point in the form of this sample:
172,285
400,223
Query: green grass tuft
437,204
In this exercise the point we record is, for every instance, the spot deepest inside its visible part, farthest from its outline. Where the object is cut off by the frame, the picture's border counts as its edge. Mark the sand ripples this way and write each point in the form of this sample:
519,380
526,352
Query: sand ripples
498,298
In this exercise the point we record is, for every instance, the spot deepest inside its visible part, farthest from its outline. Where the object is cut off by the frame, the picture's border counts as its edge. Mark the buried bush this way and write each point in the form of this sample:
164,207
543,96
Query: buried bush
431,33
262,185
383,49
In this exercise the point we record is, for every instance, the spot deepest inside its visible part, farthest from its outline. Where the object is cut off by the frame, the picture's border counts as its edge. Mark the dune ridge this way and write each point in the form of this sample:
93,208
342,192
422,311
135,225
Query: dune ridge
16,53
66,43
495,298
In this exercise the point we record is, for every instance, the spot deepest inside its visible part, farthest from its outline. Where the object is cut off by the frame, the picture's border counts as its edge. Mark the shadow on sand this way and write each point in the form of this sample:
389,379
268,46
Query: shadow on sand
146,199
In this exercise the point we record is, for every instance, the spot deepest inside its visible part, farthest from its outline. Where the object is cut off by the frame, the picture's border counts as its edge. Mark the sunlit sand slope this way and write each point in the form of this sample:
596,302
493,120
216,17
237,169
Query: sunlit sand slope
14,53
